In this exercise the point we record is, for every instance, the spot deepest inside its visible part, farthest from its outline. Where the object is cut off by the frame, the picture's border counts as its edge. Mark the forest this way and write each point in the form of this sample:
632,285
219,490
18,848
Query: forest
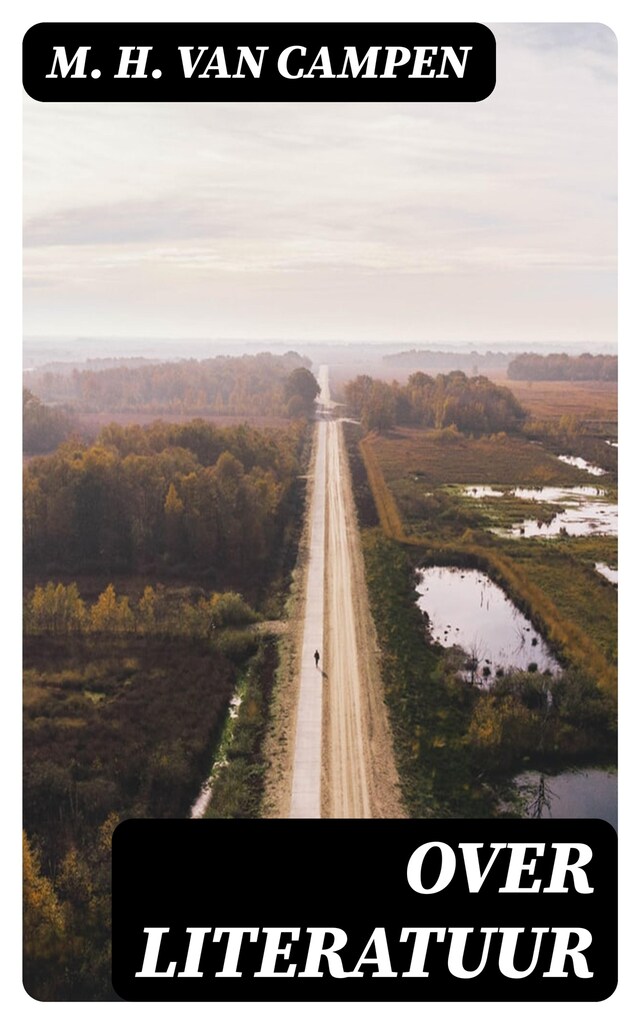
169,498
225,385
150,554
472,405
560,366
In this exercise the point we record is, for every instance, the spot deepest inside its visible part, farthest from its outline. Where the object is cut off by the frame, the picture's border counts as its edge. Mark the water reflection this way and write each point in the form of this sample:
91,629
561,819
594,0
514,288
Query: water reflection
576,793
468,610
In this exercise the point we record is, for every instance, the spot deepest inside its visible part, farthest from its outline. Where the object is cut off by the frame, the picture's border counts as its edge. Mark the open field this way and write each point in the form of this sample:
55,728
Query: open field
86,754
443,457
591,399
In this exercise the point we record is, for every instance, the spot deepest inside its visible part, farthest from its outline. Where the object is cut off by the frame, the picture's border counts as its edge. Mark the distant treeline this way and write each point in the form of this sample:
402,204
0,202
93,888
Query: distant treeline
103,363
227,385
215,501
472,405
424,359
563,367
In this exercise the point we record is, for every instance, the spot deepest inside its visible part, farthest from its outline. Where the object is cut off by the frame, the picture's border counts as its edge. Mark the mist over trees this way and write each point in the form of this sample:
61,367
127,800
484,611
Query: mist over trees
473,405
563,367
225,385
443,361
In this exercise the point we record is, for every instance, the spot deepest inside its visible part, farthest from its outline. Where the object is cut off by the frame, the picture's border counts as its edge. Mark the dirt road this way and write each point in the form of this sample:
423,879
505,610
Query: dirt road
357,777
347,774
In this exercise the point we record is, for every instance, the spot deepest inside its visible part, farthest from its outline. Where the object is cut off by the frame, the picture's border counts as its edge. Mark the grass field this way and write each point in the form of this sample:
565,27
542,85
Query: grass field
551,399
432,457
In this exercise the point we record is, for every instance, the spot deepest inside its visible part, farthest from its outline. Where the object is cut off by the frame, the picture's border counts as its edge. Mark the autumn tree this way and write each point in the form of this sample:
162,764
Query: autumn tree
227,385
300,392
148,499
111,614
173,523
473,405
147,610
43,928
55,609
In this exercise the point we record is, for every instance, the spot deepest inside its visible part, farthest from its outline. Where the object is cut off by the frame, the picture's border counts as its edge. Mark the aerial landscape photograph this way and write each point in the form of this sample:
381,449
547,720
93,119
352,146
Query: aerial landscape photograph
320,443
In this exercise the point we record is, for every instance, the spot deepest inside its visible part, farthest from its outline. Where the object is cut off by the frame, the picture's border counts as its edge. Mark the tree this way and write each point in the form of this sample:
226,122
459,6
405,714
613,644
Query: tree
301,384
110,615
43,928
173,523
147,609
55,609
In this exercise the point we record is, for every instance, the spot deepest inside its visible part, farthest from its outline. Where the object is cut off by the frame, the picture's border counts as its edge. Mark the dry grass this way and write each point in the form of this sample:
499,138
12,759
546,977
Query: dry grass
551,399
436,457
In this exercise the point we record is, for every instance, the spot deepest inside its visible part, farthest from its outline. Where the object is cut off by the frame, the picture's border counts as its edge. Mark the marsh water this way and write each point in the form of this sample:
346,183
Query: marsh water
584,519
585,510
580,463
467,609
575,793
607,571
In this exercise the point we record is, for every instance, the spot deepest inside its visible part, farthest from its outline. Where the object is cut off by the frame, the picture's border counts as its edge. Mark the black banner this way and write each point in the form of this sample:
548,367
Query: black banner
364,910
249,62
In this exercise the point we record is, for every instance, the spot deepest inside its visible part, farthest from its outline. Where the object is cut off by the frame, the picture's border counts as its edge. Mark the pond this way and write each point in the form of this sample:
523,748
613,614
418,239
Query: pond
574,793
468,610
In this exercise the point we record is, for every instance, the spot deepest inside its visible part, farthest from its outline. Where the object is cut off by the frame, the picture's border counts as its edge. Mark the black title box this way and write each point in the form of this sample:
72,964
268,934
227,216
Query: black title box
259,62
356,886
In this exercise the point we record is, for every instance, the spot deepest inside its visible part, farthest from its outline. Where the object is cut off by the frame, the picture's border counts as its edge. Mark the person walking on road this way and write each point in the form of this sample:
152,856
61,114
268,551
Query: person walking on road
317,657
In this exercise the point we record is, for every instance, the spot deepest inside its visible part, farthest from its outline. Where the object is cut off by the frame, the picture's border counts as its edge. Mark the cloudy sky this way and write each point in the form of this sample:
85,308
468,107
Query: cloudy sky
413,222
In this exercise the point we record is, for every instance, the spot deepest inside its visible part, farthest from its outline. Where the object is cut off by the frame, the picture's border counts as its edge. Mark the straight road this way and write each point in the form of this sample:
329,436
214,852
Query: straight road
345,741
331,772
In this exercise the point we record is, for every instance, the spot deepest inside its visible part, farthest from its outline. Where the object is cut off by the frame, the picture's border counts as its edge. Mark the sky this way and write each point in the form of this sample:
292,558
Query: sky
487,222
